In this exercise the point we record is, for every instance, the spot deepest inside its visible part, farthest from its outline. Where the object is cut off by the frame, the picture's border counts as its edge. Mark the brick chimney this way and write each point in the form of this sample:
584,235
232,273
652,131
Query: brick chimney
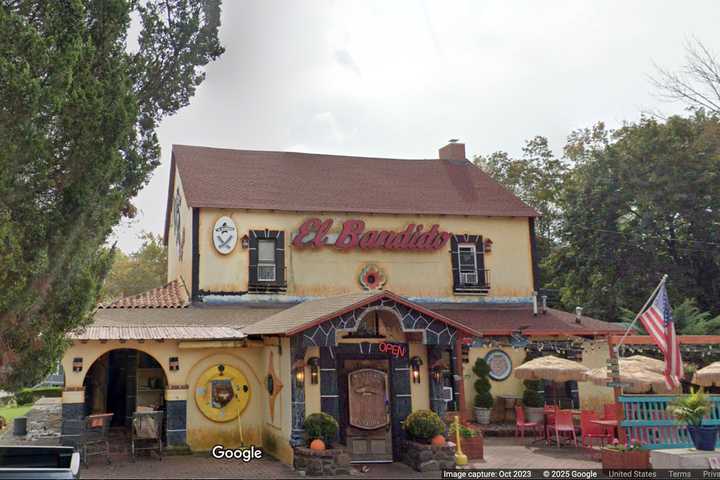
452,151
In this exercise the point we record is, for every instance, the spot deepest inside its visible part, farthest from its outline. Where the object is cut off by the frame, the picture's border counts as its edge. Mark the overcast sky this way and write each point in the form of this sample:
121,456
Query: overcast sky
400,78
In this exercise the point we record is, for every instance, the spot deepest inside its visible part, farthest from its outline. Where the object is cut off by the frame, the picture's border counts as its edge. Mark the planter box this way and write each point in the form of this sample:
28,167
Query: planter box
318,463
473,447
629,460
424,457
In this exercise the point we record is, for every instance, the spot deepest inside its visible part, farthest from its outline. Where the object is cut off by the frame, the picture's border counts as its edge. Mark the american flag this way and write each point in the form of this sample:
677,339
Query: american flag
658,322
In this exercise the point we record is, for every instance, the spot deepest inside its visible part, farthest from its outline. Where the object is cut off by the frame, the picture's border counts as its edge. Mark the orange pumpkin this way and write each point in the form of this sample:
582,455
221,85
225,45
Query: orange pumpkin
438,440
317,444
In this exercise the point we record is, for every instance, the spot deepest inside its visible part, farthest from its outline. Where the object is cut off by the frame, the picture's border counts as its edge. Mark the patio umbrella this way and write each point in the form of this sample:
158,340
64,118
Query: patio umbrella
707,376
551,368
652,364
639,374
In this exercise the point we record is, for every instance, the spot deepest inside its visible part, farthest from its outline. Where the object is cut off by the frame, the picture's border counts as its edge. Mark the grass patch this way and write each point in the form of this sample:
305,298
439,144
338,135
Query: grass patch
11,412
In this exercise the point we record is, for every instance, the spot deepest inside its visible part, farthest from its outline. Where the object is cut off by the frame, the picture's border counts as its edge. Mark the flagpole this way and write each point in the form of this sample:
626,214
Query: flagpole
642,310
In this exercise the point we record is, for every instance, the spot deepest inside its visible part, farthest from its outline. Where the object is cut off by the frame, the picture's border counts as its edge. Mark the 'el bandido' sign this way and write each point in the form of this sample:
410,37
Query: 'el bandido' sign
315,233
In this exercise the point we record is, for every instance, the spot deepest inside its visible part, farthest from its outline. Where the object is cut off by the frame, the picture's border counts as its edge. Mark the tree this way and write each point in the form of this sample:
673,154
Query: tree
537,177
697,83
688,318
138,272
641,202
78,116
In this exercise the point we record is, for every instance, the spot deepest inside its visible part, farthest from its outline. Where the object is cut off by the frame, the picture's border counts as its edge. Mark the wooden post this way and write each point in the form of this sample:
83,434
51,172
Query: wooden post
462,408
617,392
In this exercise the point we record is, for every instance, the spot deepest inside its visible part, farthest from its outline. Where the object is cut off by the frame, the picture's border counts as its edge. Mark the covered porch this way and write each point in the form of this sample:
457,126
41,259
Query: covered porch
371,359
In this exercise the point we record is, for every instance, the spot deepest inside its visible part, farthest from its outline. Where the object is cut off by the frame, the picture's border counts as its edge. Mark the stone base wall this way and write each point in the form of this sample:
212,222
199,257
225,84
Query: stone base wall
317,463
423,457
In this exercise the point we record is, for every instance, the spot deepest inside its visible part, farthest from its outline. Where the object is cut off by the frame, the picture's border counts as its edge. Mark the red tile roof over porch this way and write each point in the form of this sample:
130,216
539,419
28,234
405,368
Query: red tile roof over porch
222,178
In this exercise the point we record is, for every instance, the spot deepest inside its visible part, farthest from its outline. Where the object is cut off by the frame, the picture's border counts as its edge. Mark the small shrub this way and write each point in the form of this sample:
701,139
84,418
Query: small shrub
531,395
423,425
465,431
29,395
322,426
691,409
483,399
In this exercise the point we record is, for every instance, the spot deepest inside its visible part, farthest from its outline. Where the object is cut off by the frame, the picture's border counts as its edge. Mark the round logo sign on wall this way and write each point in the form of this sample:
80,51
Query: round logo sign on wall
222,393
499,363
224,235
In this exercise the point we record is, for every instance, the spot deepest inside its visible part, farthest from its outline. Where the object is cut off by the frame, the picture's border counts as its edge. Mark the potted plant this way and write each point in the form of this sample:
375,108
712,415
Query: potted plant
533,401
321,429
631,456
483,402
691,410
423,425
472,441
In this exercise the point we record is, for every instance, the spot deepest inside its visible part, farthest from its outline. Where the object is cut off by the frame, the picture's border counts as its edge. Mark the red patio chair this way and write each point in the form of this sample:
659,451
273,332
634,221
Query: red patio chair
521,424
589,430
550,411
563,423
611,411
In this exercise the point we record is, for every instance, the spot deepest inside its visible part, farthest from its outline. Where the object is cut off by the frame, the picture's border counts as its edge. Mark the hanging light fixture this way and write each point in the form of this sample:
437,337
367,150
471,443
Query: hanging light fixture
415,363
314,363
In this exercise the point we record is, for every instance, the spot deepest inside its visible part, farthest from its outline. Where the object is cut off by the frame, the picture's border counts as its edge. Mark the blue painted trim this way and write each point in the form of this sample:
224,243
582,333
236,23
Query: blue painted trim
648,421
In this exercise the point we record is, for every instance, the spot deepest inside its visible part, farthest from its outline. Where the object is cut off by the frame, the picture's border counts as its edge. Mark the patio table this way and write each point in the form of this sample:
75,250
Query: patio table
607,424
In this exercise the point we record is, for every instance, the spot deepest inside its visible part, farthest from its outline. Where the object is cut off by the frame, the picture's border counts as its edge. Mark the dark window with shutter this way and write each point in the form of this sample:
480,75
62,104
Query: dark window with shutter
267,262
468,264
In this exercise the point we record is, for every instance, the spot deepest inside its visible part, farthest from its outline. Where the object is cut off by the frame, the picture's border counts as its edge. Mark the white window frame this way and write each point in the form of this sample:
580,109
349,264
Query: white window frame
264,264
466,270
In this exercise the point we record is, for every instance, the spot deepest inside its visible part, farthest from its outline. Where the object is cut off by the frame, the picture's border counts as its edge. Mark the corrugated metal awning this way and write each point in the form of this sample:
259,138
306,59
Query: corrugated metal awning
136,332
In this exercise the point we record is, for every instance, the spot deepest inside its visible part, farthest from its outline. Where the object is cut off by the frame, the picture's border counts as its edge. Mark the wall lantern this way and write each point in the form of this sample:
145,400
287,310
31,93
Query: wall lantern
415,363
314,363
299,367
77,364
174,364
245,242
488,245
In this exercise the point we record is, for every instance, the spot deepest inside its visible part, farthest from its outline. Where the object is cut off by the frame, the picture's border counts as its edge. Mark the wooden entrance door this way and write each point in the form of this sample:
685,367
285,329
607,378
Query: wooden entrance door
369,437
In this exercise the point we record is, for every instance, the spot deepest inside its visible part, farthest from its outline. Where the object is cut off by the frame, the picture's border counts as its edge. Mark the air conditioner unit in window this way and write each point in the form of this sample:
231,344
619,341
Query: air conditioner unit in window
469,278
266,273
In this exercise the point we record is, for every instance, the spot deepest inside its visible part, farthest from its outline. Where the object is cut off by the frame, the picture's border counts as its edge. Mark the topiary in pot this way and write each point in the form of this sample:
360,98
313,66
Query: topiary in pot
423,425
533,401
321,426
483,400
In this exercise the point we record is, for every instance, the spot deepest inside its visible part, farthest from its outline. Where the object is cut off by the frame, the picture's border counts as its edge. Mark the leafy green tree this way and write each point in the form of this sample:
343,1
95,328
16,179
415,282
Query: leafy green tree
641,201
537,177
688,318
138,272
78,116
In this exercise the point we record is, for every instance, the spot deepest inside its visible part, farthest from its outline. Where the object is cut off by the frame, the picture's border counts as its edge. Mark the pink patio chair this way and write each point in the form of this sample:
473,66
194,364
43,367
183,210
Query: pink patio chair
563,423
611,411
521,424
589,430
550,411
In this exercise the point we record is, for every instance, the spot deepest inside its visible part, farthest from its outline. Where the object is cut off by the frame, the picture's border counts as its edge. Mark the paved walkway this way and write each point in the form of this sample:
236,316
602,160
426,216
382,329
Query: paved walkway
499,453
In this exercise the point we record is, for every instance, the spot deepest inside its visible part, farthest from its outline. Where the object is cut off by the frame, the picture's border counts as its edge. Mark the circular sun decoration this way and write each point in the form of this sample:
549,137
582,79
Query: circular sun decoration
499,363
222,393
372,278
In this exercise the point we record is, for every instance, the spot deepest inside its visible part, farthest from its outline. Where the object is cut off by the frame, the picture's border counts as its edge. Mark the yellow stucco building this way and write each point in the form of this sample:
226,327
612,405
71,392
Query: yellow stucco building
298,283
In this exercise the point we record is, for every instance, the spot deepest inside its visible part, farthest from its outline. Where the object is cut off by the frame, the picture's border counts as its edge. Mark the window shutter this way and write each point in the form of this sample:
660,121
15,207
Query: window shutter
480,257
454,259
280,258
252,274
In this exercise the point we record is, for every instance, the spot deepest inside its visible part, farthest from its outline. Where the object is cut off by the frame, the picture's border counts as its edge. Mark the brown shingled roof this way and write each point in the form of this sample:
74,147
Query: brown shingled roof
505,320
222,178
171,295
